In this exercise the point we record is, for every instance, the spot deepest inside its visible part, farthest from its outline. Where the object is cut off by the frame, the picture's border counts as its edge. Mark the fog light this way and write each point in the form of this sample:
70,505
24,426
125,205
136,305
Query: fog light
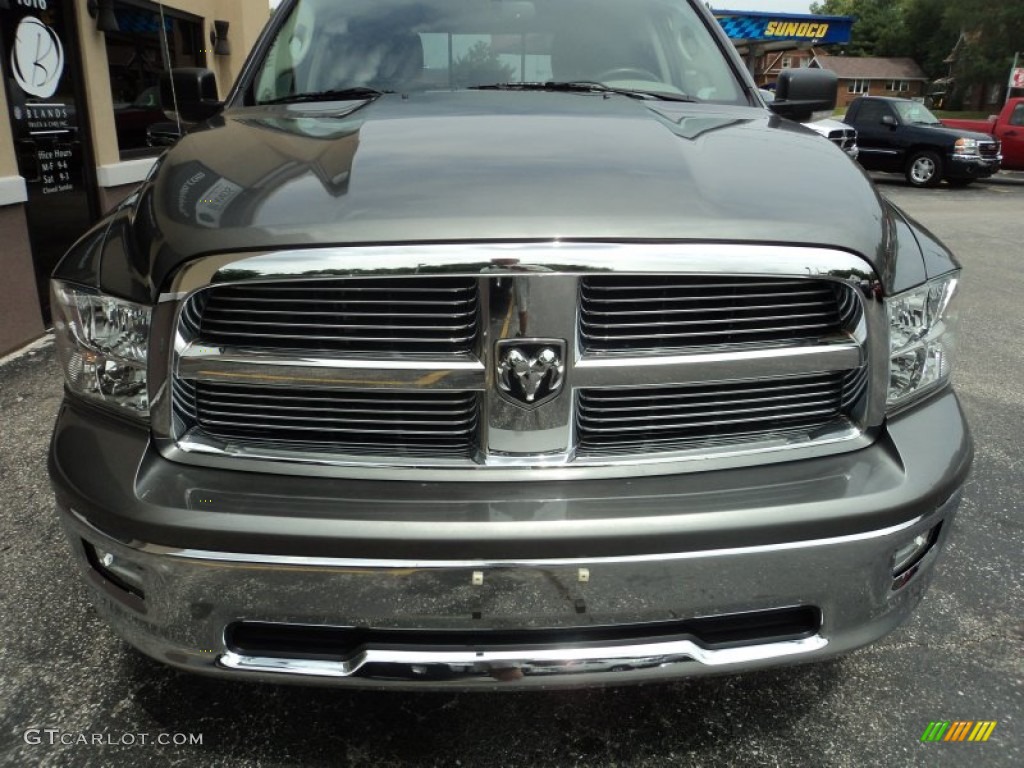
910,554
118,571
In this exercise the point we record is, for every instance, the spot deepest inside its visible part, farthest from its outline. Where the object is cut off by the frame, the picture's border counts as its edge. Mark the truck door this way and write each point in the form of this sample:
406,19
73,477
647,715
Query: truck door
877,137
1011,134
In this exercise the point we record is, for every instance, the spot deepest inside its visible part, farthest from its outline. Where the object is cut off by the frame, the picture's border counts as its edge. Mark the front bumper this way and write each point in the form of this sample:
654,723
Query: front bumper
972,167
511,585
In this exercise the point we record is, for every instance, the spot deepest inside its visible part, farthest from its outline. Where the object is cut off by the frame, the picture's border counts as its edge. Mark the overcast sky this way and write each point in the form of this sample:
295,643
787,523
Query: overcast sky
772,6
786,6
781,6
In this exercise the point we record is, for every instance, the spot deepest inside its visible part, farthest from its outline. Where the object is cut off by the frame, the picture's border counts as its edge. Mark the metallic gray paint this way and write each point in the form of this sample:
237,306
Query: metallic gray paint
463,167
108,471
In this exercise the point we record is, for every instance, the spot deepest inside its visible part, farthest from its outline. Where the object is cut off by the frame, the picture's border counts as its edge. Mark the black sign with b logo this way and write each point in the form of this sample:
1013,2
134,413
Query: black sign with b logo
40,61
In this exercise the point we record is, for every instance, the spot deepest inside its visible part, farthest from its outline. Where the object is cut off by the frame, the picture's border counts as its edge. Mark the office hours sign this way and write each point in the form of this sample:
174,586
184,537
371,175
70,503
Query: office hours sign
41,94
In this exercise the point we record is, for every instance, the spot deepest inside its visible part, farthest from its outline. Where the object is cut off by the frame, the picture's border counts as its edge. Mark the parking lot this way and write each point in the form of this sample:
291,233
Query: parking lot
64,678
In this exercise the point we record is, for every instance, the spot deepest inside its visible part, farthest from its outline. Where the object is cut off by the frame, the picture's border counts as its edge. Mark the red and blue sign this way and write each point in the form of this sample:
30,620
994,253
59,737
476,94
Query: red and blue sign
754,27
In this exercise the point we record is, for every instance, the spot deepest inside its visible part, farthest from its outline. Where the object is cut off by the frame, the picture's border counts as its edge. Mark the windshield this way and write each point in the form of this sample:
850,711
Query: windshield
328,47
912,112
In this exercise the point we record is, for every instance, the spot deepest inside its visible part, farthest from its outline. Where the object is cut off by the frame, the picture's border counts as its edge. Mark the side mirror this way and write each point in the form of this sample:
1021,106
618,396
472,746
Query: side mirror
189,93
802,92
889,120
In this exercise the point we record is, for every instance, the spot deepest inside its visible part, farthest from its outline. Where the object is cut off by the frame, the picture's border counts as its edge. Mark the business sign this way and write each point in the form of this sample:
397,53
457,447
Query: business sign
37,58
40,69
753,27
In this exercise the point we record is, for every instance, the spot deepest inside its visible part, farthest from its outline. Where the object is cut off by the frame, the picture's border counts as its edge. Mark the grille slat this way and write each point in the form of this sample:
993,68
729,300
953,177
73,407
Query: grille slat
704,310
655,313
705,322
687,415
338,399
645,414
367,343
391,316
642,394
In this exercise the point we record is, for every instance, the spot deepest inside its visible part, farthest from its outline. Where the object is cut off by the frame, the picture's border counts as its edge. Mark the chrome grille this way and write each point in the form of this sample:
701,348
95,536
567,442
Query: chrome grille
405,316
989,149
644,419
436,423
629,314
844,138
669,358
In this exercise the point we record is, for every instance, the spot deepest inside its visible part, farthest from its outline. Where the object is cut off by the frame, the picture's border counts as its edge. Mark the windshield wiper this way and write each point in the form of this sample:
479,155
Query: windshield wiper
337,94
585,86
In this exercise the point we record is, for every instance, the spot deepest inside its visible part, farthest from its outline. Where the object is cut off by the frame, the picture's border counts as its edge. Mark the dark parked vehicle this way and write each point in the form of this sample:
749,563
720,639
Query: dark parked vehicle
133,120
498,343
902,136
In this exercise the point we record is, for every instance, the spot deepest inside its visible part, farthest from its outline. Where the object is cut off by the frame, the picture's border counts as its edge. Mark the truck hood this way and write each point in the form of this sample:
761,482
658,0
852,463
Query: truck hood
478,166
952,133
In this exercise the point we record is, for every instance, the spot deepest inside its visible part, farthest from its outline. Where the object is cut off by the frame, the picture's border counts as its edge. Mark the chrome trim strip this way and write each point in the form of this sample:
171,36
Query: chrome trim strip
240,558
554,662
620,371
205,451
494,259
202,363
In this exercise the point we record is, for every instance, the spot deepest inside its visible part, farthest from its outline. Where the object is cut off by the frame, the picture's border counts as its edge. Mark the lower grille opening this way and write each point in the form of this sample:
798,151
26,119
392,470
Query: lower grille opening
438,423
266,639
665,418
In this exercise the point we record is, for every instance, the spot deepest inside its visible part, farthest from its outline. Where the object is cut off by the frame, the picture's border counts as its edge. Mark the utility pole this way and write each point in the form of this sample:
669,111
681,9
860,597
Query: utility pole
1013,77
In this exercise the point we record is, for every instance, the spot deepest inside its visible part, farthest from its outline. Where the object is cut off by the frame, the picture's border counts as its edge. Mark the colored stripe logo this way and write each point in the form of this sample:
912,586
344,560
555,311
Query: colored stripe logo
959,730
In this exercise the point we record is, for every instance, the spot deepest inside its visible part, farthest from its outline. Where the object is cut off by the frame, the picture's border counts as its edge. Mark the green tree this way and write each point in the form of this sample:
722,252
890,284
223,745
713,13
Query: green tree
480,66
994,31
878,27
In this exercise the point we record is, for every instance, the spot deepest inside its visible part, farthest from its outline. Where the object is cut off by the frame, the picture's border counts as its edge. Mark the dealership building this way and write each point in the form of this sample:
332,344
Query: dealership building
80,108
80,98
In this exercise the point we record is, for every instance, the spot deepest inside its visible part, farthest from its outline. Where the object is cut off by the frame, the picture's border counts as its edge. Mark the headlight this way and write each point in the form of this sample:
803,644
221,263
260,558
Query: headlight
922,326
102,343
966,147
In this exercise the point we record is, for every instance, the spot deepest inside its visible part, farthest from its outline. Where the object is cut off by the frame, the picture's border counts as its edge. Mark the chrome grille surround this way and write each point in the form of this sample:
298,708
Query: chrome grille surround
989,149
512,443
844,138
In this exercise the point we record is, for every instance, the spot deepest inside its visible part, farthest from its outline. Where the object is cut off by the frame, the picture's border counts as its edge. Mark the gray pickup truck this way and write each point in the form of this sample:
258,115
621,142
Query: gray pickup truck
496,343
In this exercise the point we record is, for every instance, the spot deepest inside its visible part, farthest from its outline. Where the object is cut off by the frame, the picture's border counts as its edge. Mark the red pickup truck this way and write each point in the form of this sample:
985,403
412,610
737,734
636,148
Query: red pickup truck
1007,127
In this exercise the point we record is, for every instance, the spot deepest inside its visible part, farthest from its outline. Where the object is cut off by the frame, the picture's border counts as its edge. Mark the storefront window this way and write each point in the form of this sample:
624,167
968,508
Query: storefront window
143,48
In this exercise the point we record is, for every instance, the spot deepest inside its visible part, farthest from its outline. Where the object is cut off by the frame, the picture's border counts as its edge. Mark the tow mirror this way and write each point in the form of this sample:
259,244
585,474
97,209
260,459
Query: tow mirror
189,94
802,92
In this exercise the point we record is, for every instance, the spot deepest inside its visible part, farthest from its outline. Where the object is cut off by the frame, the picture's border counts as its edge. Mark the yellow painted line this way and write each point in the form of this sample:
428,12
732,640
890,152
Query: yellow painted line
508,320
988,731
431,378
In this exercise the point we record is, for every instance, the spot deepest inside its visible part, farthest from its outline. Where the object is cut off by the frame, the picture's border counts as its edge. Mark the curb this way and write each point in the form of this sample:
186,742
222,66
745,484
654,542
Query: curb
28,349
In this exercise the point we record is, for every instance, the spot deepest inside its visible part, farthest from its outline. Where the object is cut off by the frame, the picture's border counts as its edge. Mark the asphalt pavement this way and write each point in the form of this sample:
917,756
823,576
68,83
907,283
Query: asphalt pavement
72,694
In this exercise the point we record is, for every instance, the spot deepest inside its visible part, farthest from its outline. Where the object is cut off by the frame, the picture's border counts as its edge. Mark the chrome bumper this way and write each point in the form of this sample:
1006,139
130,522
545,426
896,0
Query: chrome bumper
192,598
